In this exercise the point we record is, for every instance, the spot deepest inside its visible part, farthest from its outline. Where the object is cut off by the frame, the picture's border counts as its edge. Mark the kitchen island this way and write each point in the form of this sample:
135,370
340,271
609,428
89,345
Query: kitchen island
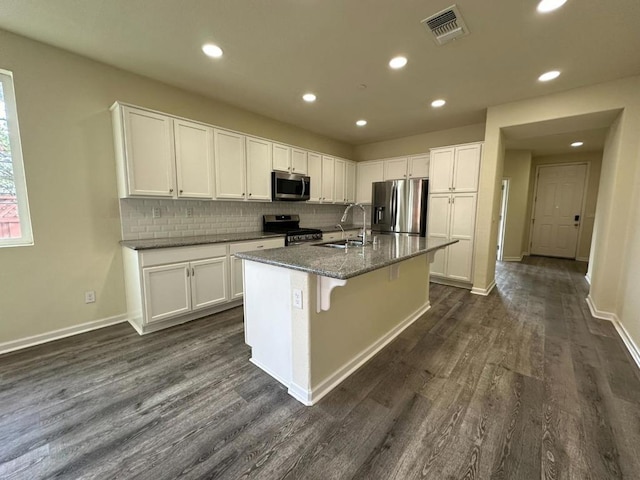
314,315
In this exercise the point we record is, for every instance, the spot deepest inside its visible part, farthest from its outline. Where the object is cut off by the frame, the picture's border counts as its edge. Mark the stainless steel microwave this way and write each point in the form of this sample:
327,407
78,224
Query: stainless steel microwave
291,187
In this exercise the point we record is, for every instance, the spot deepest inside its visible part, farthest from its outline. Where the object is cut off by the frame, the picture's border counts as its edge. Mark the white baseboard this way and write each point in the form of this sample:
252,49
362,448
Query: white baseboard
39,339
512,259
311,397
633,349
582,259
484,291
602,315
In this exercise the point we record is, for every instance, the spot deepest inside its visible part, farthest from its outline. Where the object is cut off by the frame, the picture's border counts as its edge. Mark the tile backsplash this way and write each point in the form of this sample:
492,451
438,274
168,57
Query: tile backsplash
211,217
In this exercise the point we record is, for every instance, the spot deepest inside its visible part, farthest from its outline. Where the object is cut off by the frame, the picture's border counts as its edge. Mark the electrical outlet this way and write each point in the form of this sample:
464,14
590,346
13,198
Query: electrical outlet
189,211
297,298
89,296
156,212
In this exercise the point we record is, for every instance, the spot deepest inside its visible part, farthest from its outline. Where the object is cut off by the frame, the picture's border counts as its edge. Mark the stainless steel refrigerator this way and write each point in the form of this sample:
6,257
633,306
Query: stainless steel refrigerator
400,206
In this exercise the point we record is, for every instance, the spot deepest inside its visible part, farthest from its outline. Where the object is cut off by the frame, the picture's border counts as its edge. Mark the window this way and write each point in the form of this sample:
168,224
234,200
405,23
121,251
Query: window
15,224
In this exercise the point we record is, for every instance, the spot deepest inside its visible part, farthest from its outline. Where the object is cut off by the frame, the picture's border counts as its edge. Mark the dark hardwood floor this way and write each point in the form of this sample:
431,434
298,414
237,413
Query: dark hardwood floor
522,384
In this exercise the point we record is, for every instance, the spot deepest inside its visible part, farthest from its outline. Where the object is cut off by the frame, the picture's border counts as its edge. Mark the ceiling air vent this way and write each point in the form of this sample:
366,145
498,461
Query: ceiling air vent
446,25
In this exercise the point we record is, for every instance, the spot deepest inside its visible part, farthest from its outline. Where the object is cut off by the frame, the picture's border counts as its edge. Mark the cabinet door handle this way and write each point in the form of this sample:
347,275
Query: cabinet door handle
181,191
171,190
259,246
250,194
293,169
193,272
188,272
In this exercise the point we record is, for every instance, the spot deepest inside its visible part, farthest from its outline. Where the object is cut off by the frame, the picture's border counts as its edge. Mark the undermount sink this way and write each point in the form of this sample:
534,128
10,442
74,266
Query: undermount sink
340,243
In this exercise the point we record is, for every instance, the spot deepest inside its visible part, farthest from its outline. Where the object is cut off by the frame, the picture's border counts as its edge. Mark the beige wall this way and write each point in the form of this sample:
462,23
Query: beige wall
612,277
63,101
594,160
419,143
517,168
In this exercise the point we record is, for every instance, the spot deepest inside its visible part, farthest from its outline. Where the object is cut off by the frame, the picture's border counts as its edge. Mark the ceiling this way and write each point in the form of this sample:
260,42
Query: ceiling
277,50
554,137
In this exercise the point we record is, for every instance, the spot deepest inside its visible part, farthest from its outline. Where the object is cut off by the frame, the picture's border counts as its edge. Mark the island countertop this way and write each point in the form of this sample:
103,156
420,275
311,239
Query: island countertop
347,263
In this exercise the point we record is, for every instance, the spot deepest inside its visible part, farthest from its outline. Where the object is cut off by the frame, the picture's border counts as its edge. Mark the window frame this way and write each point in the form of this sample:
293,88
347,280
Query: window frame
24,215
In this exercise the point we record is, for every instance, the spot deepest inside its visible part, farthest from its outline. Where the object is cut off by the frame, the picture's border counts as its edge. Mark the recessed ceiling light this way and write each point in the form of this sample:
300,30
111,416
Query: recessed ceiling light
577,144
397,62
309,97
438,103
545,77
361,123
549,5
212,50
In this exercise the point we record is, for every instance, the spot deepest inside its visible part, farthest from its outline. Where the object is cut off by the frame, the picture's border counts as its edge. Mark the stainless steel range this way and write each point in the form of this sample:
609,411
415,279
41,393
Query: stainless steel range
290,226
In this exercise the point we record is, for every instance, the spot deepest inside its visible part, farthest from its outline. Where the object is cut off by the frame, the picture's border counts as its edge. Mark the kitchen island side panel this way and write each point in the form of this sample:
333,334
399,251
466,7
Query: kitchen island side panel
367,312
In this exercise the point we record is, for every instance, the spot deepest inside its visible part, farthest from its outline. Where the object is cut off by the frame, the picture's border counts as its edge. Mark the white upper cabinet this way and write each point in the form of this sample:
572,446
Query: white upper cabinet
281,157
455,169
368,172
161,156
350,182
315,173
328,170
441,170
145,153
466,168
419,166
395,168
258,169
194,159
289,159
230,164
299,161
339,181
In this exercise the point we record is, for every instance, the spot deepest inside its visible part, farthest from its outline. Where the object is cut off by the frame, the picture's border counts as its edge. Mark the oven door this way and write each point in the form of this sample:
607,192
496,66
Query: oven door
285,186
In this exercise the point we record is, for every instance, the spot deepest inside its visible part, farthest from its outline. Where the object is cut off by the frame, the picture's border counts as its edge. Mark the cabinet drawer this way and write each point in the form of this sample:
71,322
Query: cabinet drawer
262,244
161,256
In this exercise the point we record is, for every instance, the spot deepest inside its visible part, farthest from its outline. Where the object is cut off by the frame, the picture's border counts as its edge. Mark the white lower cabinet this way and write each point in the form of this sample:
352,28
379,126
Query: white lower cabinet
453,216
209,282
168,286
175,289
166,291
237,288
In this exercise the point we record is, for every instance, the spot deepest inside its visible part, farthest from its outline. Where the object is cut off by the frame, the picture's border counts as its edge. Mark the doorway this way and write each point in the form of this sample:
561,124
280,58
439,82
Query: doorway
558,209
503,218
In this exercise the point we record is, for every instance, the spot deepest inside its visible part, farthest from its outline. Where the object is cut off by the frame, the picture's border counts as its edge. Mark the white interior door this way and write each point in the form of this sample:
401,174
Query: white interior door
558,210
503,218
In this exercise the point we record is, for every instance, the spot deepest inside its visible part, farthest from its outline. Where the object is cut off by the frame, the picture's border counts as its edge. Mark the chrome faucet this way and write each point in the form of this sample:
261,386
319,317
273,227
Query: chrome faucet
364,220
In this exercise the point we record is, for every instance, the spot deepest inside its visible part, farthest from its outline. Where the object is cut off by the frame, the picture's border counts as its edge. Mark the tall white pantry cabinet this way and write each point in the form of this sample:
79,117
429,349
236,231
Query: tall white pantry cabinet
453,193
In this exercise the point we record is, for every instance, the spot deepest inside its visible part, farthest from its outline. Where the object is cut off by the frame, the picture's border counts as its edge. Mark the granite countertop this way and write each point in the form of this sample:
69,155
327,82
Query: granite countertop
197,240
336,228
347,263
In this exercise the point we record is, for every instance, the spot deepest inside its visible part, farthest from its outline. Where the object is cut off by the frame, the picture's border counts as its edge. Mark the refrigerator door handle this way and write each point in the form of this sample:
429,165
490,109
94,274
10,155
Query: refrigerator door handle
394,205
